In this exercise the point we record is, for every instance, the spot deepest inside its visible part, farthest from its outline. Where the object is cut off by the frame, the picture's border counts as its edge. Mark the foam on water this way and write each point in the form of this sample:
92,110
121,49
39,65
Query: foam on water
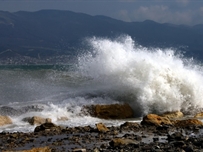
150,79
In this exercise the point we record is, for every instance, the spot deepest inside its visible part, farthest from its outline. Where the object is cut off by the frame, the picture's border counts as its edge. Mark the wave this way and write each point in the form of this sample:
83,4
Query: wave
149,79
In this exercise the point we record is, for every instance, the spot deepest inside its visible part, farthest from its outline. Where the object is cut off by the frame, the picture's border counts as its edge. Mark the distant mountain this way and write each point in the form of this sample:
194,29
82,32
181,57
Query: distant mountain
48,34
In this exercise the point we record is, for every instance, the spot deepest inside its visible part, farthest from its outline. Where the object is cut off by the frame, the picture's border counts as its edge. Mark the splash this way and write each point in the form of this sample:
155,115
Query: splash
150,79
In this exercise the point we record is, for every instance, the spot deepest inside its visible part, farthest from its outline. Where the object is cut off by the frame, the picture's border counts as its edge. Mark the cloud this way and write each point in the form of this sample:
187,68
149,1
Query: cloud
183,2
163,14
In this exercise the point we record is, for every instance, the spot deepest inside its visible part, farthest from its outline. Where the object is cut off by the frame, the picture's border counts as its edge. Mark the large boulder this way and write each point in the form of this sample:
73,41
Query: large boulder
113,111
36,120
188,122
5,120
153,119
173,115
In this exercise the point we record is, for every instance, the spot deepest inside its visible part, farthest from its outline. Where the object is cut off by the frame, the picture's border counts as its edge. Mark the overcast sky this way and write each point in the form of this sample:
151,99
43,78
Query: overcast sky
189,12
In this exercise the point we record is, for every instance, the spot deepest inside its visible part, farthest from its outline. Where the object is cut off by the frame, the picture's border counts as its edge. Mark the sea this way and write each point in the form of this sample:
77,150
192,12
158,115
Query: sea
106,71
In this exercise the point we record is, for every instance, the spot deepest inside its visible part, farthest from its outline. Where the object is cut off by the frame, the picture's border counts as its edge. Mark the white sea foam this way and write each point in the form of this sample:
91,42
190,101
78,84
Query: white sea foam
150,79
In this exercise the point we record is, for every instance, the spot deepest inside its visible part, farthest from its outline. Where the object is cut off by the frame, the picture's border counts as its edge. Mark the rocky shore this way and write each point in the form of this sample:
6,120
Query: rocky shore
168,132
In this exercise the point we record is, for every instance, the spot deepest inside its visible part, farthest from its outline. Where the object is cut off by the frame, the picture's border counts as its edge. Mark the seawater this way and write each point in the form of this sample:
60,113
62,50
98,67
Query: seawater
107,71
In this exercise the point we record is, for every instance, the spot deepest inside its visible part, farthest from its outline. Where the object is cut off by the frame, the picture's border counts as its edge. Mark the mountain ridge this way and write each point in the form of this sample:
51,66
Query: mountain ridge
51,33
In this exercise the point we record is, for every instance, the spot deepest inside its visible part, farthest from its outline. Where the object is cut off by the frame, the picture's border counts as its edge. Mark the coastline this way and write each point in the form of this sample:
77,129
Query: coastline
130,136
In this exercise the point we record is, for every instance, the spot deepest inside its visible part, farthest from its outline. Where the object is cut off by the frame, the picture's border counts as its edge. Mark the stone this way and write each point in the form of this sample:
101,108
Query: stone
101,127
36,120
188,122
153,119
39,149
173,115
130,125
199,115
79,150
5,120
113,111
117,142
47,126
176,136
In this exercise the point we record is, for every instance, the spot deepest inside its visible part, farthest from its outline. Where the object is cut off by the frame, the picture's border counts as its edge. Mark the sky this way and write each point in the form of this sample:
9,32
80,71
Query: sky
188,12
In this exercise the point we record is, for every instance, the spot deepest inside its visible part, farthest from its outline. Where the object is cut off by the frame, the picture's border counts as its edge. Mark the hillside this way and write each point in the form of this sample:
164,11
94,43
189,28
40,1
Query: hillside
53,35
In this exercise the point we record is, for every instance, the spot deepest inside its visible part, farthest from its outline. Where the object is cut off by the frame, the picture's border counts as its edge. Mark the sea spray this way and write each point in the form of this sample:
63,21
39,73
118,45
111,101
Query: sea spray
151,80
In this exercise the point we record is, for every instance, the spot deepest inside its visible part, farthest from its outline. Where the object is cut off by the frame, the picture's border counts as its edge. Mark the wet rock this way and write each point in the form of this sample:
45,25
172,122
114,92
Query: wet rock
178,143
118,142
79,150
176,136
36,120
130,125
199,115
101,127
47,127
40,149
188,122
153,119
113,111
5,120
173,115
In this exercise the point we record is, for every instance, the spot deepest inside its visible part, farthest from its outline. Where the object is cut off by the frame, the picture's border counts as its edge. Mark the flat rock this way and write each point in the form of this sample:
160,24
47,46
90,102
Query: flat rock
153,119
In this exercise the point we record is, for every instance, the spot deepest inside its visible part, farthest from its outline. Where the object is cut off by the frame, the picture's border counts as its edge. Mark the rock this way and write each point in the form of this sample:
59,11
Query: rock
176,136
117,142
101,127
5,120
188,122
79,150
178,143
113,111
36,120
173,115
39,149
153,119
130,125
199,115
47,126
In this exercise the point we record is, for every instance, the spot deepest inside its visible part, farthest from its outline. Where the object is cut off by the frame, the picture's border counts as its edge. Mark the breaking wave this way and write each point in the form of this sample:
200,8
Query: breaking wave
149,79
